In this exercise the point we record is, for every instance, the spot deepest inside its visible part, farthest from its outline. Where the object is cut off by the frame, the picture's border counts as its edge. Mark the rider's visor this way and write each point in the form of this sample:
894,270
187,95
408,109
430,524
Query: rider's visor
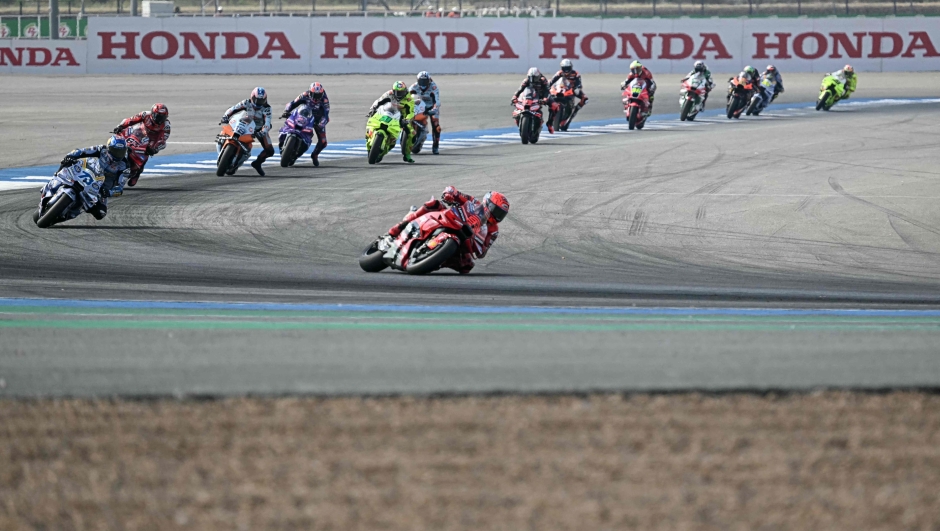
496,212
159,118
118,152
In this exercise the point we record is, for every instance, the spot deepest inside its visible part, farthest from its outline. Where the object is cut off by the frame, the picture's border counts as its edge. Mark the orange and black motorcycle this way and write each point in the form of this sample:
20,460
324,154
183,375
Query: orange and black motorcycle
740,89
234,143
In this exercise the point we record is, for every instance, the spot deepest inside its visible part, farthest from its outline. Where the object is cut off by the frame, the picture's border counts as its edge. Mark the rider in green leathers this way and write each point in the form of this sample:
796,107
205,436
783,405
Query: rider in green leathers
847,82
400,95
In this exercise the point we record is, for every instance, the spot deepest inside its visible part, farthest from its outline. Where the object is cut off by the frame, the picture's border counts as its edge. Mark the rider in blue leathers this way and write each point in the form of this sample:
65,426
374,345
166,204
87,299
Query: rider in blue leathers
317,101
109,160
774,74
426,89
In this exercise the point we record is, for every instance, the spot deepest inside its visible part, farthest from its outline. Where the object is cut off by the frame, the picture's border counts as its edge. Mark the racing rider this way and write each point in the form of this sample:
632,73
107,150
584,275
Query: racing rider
638,71
537,82
317,101
426,89
702,68
483,217
574,79
256,106
109,160
157,125
847,82
771,72
400,95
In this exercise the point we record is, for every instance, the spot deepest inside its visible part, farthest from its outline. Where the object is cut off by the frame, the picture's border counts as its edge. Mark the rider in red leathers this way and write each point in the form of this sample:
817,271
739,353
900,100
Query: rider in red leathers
157,124
638,71
482,217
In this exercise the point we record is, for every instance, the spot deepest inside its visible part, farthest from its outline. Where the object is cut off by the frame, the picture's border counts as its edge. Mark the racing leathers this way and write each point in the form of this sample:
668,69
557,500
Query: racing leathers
647,76
767,95
156,134
321,117
431,96
846,84
574,78
261,114
407,105
101,162
473,213
709,82
540,86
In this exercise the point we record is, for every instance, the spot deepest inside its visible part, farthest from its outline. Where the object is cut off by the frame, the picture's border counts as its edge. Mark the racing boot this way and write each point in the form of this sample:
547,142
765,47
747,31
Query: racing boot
99,211
435,147
406,147
133,180
315,159
257,166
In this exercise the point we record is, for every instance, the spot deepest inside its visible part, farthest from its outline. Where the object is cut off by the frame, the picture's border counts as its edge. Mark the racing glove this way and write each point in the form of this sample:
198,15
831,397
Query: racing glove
514,100
68,161
151,152
116,130
285,114
224,120
450,195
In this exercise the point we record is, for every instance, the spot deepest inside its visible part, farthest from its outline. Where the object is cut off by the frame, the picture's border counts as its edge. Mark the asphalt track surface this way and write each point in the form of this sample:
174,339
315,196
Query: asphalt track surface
806,214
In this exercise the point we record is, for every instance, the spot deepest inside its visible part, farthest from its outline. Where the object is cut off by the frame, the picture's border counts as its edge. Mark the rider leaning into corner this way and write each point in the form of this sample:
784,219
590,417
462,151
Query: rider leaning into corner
319,104
111,161
568,72
701,68
847,82
481,216
771,72
157,124
401,96
426,89
256,106
638,71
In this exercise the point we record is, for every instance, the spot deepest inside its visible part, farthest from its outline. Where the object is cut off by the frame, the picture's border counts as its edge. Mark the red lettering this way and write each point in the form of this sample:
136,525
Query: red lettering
129,45
278,42
780,45
450,45
206,50
549,45
231,40
800,41
330,45
368,45
6,54
841,39
146,45
877,43
64,55
711,42
921,41
610,46
687,46
496,42
33,59
427,51
641,52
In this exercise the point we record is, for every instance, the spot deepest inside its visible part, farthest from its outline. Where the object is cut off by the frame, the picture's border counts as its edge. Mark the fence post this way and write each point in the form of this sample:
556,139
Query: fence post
53,19
799,8
557,10
750,8
133,8
654,8
846,7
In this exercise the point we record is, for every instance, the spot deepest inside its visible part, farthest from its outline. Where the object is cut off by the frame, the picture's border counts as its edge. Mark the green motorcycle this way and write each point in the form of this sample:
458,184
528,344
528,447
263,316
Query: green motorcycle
829,93
382,131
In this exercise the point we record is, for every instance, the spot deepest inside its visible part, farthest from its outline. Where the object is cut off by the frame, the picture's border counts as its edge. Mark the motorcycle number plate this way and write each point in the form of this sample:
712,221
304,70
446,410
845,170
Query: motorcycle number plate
386,119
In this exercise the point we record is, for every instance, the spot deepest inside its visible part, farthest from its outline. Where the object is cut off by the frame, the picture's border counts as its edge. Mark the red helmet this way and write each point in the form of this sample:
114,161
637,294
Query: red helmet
157,117
497,205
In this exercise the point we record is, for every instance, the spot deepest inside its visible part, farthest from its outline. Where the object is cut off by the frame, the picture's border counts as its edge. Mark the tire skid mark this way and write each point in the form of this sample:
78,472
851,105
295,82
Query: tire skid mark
834,184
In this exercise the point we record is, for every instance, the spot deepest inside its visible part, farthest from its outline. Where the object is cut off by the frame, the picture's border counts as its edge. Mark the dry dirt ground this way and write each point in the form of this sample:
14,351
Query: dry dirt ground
833,460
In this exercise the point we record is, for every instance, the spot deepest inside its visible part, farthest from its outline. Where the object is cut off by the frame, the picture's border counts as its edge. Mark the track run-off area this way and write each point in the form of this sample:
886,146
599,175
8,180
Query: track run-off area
793,250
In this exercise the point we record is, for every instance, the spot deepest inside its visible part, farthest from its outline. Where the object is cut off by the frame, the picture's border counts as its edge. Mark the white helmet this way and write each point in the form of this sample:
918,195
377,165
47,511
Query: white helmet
534,74
566,65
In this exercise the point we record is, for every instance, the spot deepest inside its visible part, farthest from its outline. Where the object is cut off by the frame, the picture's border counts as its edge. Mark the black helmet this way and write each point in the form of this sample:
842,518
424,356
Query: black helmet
424,79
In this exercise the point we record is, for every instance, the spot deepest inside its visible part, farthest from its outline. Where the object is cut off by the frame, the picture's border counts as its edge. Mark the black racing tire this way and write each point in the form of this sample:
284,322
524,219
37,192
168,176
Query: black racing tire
225,160
289,152
433,261
566,119
686,109
378,142
752,106
732,106
36,215
535,131
632,118
556,120
371,260
691,117
821,102
54,212
525,125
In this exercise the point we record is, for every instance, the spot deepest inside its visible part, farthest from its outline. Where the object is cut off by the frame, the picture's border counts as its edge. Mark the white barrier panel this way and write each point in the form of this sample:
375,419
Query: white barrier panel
320,45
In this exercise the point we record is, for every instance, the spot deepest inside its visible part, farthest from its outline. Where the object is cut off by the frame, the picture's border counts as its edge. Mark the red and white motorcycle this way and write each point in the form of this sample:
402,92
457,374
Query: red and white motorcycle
636,103
423,246
528,116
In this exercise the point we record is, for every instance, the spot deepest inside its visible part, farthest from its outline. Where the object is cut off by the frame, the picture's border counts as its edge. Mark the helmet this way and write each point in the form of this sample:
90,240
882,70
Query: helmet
772,69
848,71
399,89
750,70
699,66
316,91
117,147
497,205
159,113
424,79
259,97
533,74
566,66
636,67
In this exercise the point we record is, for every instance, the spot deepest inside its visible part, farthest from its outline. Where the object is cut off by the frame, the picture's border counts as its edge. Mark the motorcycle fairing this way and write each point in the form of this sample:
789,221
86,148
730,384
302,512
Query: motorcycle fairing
80,182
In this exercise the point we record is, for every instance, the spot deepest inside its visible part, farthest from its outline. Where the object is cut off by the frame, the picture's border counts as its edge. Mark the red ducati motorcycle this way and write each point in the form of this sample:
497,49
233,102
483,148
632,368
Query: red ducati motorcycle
528,116
423,246
636,103
137,144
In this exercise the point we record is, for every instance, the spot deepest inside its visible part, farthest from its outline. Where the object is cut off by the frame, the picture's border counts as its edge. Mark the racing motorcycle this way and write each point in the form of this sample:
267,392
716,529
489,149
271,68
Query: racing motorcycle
419,127
563,105
636,103
72,190
234,143
423,246
137,141
739,94
382,130
762,96
528,116
828,93
692,96
296,135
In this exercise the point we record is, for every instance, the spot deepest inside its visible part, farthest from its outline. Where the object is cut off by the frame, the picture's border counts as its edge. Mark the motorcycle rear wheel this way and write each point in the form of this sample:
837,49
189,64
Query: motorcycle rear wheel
378,144
289,152
631,120
371,260
686,109
525,125
433,260
752,107
52,214
225,160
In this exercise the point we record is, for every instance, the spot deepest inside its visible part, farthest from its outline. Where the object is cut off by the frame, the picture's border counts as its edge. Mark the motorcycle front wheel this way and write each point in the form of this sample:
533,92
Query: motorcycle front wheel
225,160
686,109
54,212
371,260
631,120
431,261
378,143
524,128
535,131
289,152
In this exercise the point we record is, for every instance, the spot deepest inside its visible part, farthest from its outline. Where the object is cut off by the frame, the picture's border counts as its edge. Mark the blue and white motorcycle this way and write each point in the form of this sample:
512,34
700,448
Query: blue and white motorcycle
296,136
763,96
75,189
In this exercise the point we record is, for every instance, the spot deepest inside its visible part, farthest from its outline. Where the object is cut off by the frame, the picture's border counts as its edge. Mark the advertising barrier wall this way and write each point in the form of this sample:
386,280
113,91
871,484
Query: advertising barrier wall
321,45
